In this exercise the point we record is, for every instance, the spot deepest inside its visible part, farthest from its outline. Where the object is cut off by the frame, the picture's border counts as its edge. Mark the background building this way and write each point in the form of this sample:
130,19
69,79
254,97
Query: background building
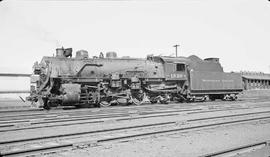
255,80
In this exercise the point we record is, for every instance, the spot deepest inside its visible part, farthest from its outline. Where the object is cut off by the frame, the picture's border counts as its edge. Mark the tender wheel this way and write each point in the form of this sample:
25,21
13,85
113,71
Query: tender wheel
233,97
191,99
212,97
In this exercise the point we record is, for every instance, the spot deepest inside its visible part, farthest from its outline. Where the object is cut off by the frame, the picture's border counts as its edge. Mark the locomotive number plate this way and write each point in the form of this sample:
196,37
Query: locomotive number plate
178,75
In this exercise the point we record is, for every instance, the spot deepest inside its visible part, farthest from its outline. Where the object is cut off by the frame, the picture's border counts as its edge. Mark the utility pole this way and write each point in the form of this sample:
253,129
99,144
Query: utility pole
176,49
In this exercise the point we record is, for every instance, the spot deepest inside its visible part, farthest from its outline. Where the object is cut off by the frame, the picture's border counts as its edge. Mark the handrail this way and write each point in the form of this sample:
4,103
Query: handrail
88,64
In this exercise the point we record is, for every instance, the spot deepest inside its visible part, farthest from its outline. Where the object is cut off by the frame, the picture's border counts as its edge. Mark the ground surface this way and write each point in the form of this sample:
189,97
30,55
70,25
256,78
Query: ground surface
185,143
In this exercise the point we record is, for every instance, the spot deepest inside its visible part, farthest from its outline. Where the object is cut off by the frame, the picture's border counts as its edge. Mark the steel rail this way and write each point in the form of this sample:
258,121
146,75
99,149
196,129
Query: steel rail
116,108
19,111
120,128
6,123
206,111
115,116
237,149
89,111
83,133
18,118
172,105
62,146
145,109
122,119
91,122
87,117
94,110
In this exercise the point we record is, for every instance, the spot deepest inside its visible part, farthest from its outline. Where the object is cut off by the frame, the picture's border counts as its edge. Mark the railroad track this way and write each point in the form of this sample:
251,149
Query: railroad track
56,120
94,115
96,137
75,120
114,108
92,112
56,114
258,149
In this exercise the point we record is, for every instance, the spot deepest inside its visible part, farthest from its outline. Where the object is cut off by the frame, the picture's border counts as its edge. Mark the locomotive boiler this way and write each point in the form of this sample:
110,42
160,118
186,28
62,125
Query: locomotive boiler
64,80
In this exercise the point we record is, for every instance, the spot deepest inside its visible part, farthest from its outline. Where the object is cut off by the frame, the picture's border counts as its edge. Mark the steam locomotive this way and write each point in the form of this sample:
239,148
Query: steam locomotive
63,80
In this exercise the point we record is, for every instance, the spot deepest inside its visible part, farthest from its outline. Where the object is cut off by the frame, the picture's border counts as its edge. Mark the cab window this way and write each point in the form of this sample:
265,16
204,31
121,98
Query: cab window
180,67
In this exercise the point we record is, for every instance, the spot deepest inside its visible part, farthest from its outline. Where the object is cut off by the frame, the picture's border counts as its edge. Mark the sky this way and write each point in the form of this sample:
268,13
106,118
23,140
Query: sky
236,31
